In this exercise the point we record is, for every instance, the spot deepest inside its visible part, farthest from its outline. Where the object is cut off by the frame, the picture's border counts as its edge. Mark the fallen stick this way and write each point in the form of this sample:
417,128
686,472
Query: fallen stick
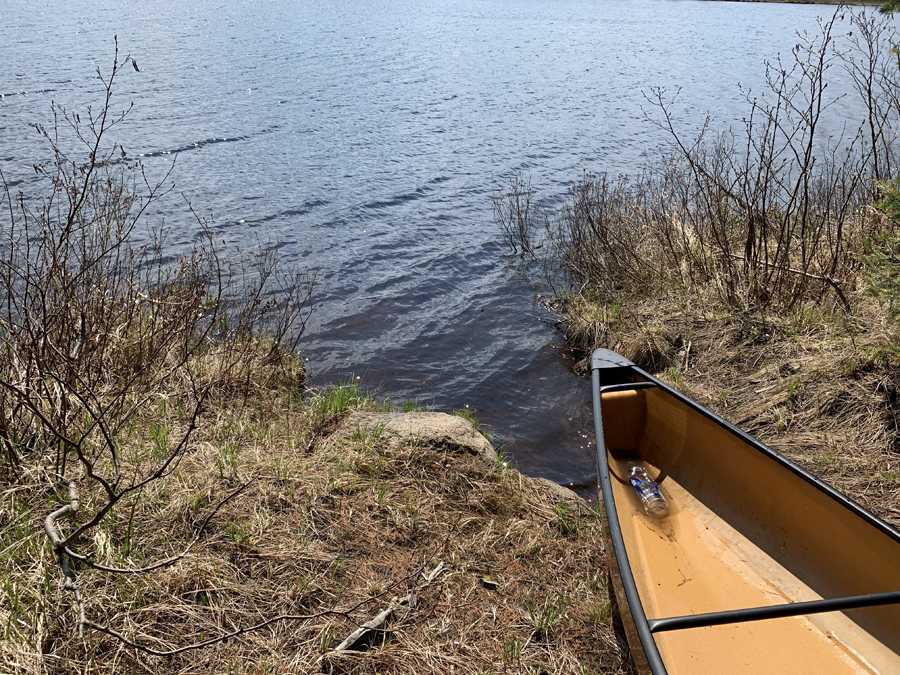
433,574
374,623
379,619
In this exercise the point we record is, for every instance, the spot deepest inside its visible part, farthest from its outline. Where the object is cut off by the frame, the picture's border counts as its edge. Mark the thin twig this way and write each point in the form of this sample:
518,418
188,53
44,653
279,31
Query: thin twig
168,561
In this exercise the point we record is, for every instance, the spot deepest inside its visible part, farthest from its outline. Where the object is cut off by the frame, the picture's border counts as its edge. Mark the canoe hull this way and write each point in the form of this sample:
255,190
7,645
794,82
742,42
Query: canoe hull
745,530
620,602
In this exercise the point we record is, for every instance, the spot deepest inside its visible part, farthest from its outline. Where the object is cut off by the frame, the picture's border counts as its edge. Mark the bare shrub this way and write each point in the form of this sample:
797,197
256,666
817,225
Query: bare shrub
518,216
96,328
769,216
874,72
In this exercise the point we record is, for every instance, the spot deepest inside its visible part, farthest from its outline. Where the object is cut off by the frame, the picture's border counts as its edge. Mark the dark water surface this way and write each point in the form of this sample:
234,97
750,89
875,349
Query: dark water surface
365,138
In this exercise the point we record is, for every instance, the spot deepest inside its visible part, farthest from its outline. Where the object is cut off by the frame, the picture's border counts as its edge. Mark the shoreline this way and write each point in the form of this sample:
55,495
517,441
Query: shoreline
858,3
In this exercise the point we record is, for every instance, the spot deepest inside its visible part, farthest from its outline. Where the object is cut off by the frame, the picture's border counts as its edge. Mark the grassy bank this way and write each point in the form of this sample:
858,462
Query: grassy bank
324,532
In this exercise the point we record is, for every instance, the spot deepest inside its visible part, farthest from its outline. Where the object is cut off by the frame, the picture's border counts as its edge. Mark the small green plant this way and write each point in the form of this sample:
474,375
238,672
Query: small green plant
227,459
794,386
512,653
890,198
600,612
369,435
882,260
675,376
615,311
159,436
547,614
413,521
198,501
129,532
467,414
827,461
334,400
360,434
239,535
781,422
722,315
566,521
326,637
410,405
881,356
892,476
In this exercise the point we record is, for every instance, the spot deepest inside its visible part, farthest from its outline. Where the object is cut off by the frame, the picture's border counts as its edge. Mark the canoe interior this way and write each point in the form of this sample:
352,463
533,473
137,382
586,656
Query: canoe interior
745,531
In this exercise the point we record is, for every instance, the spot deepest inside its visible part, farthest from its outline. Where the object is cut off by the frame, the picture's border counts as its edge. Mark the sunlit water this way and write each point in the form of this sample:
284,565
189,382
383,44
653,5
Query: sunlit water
364,138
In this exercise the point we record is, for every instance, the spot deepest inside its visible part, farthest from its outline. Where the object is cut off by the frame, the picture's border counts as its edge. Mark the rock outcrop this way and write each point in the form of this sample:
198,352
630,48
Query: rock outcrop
440,430
437,430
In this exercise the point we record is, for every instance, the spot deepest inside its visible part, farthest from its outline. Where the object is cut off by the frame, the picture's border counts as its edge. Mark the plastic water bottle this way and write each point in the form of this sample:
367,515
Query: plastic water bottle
655,505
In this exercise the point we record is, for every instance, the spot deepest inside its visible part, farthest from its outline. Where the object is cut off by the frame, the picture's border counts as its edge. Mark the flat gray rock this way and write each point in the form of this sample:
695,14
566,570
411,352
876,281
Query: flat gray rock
428,428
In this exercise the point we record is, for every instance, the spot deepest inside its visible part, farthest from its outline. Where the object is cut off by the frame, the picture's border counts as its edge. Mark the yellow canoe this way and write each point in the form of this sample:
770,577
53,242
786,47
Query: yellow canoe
758,567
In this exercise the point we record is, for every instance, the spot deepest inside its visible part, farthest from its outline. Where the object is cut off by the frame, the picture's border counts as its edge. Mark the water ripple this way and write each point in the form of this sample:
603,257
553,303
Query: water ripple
26,93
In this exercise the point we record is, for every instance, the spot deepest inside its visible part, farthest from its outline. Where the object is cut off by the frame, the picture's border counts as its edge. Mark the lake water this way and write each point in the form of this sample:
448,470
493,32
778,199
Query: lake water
365,138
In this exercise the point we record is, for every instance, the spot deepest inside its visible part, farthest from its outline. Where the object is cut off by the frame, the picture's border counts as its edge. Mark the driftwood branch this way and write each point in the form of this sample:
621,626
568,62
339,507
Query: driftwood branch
63,552
375,622
233,634
56,539
69,582
420,570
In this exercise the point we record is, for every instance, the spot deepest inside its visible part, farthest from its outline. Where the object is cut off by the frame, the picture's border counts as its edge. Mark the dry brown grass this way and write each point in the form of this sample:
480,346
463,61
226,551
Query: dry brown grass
333,527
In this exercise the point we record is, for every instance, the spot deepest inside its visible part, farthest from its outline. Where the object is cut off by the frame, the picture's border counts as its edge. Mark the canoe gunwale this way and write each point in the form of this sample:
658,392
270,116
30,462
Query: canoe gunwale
627,386
606,360
641,625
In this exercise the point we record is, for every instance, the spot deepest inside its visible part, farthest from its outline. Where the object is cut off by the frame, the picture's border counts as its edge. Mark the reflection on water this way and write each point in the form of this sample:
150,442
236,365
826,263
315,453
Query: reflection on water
364,138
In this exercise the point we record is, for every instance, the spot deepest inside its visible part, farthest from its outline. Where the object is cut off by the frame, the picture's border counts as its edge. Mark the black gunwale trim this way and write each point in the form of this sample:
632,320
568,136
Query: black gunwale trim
773,611
627,386
641,624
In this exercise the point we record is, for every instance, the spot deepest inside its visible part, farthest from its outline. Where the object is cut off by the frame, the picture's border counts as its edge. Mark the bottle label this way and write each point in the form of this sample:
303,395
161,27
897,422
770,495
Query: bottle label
645,488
